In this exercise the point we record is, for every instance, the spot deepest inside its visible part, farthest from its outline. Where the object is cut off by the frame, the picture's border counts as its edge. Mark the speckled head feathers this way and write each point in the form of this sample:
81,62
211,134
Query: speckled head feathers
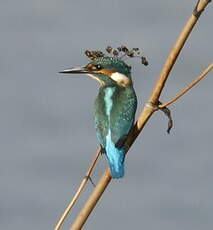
112,64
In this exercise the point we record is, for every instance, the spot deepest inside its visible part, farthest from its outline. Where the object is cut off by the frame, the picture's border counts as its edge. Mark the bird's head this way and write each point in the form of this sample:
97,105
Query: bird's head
106,70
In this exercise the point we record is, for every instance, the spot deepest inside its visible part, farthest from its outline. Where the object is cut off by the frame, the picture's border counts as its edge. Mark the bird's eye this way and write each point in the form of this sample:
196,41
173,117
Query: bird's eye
98,67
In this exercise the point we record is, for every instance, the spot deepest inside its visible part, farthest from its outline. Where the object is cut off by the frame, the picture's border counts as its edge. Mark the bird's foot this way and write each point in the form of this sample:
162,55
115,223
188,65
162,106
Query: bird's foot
102,150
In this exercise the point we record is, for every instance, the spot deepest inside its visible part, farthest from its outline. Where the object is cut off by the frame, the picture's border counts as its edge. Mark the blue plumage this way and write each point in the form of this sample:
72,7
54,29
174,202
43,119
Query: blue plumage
114,116
115,107
115,157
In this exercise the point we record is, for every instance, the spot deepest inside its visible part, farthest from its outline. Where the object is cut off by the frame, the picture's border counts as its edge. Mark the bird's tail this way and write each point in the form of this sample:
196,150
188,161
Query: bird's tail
115,158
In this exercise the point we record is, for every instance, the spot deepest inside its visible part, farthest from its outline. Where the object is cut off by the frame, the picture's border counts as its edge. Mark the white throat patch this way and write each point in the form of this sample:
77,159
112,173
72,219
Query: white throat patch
121,79
92,76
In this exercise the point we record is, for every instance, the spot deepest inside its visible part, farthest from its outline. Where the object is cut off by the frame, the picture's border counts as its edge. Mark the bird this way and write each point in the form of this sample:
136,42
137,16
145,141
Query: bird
115,107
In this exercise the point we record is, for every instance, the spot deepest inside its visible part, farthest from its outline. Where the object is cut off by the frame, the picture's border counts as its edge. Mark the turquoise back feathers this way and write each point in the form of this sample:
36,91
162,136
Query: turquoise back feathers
115,109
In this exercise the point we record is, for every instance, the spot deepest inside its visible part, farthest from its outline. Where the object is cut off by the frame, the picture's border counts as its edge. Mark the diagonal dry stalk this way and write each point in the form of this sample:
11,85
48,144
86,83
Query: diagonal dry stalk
79,190
150,107
152,104
184,91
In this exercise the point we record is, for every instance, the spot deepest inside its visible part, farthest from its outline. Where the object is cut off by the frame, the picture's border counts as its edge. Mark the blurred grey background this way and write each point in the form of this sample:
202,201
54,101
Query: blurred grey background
47,134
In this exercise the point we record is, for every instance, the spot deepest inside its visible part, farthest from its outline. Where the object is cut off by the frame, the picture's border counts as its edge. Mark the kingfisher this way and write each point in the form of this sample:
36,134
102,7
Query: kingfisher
115,107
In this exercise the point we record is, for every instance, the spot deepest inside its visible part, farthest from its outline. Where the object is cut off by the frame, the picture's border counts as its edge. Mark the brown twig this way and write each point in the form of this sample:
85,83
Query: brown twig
184,91
148,110
200,6
92,201
78,192
152,105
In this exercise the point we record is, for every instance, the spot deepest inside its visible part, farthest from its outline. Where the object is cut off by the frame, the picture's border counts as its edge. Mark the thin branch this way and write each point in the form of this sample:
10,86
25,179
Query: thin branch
184,91
78,192
199,8
170,61
92,201
148,110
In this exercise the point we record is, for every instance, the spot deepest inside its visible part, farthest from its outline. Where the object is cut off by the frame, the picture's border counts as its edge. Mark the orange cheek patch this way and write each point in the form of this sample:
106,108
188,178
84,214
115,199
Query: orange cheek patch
106,72
90,66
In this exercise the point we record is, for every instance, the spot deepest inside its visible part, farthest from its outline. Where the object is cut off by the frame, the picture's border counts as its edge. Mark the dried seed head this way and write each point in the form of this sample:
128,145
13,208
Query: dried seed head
93,54
130,53
109,49
89,54
119,49
98,53
135,49
115,52
120,53
124,49
144,61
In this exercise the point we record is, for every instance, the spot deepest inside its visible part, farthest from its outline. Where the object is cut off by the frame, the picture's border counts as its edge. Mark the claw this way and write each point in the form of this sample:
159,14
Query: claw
102,150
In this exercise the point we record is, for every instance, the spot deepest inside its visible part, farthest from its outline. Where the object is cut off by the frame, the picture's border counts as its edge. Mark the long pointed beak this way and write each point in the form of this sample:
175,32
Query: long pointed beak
75,70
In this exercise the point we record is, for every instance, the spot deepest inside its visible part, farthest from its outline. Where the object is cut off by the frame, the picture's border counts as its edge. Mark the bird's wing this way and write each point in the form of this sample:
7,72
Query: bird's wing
122,118
101,122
